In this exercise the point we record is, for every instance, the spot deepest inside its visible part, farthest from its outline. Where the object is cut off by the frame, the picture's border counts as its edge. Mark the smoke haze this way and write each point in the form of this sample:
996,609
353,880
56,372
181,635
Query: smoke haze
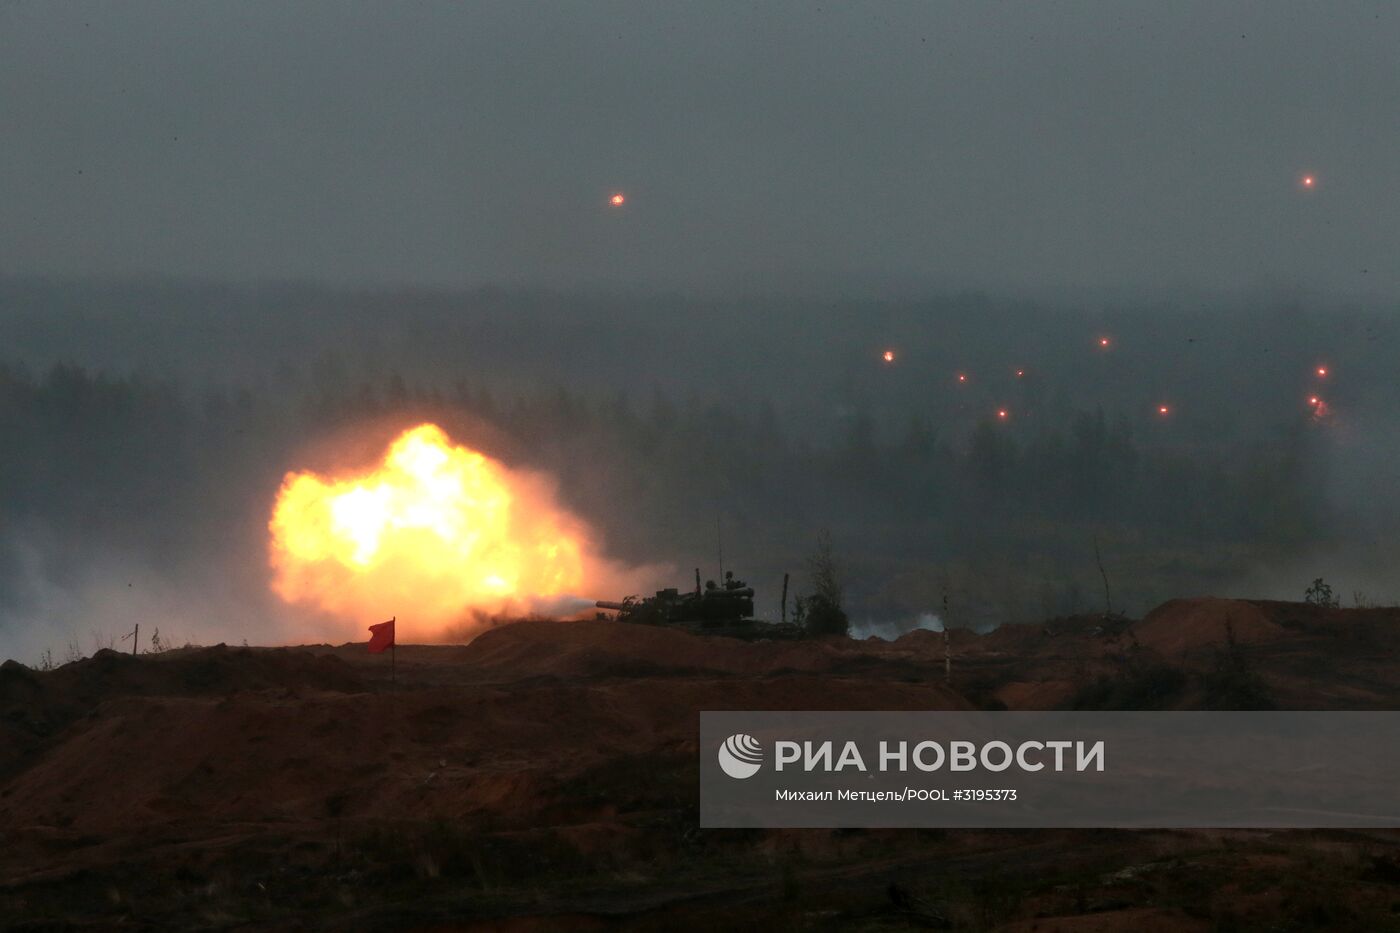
236,235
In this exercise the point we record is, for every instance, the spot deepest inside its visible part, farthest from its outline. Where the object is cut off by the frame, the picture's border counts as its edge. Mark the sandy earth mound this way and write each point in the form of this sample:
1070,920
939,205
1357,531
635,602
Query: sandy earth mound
233,735
148,761
544,777
603,649
35,706
1188,626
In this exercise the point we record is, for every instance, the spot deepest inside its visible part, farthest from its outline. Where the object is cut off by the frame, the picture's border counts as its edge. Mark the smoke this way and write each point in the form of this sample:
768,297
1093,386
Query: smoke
437,532
125,474
566,607
186,559
1358,551
61,604
890,629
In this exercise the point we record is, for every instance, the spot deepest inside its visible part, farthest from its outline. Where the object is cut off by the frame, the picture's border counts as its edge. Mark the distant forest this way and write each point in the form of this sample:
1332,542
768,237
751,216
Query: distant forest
131,463
931,498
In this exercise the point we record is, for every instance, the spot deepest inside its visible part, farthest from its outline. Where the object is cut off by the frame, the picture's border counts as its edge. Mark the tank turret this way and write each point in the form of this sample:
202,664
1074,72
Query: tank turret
710,605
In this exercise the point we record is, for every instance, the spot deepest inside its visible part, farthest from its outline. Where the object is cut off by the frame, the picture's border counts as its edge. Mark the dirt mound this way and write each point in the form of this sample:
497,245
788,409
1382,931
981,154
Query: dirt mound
36,705
517,755
1037,694
548,771
203,671
618,649
1188,626
224,736
24,717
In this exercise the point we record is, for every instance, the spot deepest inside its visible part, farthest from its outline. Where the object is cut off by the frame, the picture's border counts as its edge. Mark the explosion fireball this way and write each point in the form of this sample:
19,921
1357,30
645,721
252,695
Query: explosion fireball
435,532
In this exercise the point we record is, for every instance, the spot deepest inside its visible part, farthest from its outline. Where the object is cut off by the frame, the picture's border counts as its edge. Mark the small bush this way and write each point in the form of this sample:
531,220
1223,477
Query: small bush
1320,594
817,615
821,613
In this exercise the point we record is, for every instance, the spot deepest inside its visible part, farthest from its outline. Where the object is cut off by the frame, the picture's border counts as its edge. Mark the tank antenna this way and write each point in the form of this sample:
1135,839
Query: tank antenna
719,541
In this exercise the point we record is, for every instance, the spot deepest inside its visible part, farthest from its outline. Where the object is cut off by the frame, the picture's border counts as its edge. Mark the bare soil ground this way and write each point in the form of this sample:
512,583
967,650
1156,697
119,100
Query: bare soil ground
544,778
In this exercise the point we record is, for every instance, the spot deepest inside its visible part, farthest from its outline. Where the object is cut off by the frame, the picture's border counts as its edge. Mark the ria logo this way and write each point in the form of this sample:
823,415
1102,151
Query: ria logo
740,756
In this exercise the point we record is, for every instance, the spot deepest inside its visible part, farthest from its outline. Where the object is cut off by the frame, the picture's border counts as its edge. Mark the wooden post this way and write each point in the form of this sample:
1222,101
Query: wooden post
785,583
947,641
947,656
1107,599
135,638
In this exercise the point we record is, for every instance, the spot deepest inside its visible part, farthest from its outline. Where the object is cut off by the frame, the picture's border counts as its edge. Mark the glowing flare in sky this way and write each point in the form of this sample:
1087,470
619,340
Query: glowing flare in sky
1003,414
1163,410
962,377
431,533
888,356
618,199
1322,372
1309,181
1103,341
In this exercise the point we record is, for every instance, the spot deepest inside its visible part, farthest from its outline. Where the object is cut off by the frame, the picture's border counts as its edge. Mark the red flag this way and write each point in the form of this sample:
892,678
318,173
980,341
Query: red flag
383,636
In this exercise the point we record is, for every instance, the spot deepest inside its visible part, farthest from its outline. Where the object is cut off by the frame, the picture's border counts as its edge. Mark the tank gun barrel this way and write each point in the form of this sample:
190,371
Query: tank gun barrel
741,593
610,604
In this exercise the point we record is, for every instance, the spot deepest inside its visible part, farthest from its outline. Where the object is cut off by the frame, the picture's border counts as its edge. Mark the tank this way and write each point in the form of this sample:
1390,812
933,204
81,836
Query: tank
710,606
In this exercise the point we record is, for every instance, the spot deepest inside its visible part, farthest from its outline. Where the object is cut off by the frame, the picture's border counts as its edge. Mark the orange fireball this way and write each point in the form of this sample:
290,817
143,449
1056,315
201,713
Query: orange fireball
433,532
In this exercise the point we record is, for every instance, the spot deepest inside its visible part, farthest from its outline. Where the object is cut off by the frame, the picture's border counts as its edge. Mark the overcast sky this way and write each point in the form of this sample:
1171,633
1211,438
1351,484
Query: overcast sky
760,145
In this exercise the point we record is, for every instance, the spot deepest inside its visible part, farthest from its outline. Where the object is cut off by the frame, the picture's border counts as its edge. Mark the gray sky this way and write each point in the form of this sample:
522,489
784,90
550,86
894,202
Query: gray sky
761,145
